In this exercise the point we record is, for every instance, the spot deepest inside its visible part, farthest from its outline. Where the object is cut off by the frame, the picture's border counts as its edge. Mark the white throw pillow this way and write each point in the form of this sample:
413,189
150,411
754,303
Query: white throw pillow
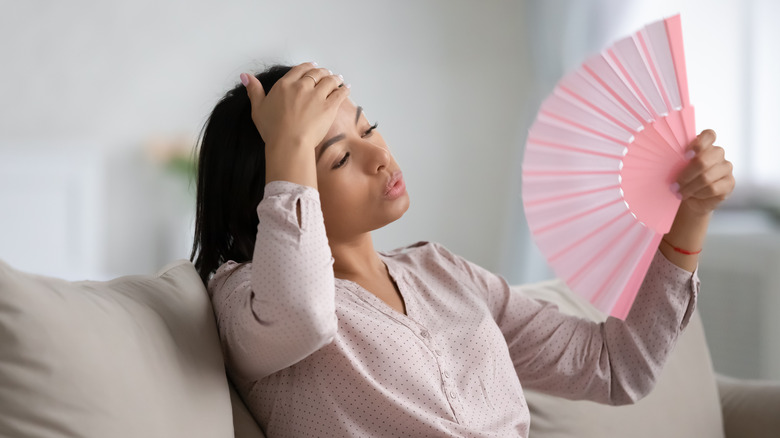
137,356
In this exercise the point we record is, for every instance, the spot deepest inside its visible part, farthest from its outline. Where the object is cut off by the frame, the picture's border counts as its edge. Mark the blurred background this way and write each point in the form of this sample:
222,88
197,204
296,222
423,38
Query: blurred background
102,102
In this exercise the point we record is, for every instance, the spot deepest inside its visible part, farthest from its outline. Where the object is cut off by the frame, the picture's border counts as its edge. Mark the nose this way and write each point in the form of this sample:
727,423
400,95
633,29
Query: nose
378,157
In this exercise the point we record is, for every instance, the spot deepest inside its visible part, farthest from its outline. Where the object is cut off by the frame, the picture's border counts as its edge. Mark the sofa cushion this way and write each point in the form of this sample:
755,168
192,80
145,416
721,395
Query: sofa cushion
244,424
684,402
137,356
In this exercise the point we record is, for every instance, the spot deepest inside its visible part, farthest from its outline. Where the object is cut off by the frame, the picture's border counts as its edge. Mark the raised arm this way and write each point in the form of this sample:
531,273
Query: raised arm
616,361
278,309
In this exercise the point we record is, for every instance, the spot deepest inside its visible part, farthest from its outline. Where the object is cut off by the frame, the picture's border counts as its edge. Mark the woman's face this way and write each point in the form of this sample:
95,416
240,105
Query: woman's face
360,184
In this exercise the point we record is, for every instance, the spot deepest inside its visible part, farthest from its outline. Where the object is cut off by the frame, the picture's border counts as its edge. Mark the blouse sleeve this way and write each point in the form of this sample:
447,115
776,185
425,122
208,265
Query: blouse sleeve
612,362
280,308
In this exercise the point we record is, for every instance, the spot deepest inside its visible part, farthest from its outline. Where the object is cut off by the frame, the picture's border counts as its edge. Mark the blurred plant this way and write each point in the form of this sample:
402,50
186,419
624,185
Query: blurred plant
177,155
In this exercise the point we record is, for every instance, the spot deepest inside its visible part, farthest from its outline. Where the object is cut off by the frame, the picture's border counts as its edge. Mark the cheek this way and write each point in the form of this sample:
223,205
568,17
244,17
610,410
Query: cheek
336,193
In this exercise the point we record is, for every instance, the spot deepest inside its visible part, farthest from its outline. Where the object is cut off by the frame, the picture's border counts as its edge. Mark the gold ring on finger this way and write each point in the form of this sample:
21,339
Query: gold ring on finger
312,78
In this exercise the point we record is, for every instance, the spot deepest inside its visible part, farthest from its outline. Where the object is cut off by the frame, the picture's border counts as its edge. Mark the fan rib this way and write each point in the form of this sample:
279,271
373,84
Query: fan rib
656,75
629,79
674,34
600,254
534,173
587,87
658,42
636,243
583,127
613,93
641,72
571,195
573,149
598,109
567,220
560,253
623,304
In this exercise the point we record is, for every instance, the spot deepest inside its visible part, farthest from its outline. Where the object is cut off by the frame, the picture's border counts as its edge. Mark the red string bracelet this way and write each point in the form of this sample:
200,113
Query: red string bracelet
680,250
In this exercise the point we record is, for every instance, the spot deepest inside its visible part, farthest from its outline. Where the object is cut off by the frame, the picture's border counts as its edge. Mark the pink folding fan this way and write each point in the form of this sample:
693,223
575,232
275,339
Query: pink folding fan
599,162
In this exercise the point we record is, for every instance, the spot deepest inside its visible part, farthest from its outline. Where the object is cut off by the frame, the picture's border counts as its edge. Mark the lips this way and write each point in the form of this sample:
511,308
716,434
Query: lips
395,186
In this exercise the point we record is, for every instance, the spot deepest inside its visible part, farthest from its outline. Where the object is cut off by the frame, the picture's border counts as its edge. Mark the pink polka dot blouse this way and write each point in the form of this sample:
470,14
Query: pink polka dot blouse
316,356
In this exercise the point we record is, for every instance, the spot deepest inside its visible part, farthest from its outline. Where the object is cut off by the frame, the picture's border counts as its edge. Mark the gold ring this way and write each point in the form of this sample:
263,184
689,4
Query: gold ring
312,78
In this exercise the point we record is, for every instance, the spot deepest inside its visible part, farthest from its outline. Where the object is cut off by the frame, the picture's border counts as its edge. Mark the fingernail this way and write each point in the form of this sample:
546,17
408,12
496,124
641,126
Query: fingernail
348,85
341,78
689,155
244,78
314,63
675,188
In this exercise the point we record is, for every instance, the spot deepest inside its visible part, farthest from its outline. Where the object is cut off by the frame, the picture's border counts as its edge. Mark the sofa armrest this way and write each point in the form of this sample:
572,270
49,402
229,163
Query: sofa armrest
751,408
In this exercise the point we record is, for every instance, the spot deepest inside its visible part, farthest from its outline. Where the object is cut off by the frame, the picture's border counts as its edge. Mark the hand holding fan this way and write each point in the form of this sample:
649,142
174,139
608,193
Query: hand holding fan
600,160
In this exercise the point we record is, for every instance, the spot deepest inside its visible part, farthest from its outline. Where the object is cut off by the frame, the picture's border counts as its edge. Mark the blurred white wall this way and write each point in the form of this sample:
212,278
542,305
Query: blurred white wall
87,85
445,79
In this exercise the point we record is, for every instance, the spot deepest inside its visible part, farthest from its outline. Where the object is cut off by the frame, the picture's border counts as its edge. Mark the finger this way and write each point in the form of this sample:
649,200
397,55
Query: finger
329,83
704,184
700,164
716,192
315,75
298,71
253,88
702,141
337,96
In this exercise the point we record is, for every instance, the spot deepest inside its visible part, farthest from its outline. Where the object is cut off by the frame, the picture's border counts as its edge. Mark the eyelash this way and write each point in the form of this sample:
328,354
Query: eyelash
374,126
343,161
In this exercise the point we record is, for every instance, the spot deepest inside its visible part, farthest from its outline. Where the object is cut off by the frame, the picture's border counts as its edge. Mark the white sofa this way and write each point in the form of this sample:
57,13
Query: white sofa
139,356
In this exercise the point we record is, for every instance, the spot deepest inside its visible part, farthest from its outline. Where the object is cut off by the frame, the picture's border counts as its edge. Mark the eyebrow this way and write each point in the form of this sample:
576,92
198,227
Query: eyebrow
338,137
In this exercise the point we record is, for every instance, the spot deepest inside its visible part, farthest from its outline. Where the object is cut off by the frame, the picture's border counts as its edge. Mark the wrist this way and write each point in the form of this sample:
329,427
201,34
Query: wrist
291,162
677,249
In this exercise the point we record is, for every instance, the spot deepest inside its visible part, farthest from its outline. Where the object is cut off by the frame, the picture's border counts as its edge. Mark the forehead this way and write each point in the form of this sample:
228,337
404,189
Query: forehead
347,113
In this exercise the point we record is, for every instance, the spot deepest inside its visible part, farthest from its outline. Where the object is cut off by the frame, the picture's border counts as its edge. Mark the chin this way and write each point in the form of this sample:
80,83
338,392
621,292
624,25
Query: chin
403,206
397,212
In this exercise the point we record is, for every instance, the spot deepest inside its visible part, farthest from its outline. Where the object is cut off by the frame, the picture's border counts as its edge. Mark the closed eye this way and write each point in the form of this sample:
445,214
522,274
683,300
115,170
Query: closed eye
341,162
368,132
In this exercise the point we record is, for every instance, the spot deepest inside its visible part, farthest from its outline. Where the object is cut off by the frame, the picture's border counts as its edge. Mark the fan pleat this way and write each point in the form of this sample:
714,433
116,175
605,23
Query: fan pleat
582,256
541,157
582,232
628,57
564,208
615,276
540,189
556,131
568,110
592,94
657,49
602,71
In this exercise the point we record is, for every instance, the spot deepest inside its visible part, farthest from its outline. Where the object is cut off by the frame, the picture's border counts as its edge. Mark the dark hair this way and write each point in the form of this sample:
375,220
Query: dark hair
231,180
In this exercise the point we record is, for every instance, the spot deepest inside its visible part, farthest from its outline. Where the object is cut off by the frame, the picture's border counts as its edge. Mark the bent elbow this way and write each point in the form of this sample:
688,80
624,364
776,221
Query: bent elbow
323,331
629,394
259,354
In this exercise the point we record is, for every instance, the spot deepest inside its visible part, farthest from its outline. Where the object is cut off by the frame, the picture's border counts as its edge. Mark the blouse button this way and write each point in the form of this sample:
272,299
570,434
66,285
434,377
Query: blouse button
446,375
438,352
424,333
453,394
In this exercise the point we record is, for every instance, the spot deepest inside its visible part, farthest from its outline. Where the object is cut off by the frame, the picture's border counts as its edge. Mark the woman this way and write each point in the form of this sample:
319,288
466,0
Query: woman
324,336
